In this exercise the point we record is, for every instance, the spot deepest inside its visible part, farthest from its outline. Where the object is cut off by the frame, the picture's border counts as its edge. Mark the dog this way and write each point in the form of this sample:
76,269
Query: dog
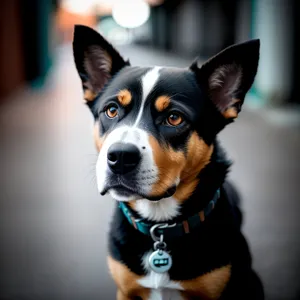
175,233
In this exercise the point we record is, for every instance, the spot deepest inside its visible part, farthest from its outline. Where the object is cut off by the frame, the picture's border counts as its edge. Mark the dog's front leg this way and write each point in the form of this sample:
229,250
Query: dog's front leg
121,296
126,281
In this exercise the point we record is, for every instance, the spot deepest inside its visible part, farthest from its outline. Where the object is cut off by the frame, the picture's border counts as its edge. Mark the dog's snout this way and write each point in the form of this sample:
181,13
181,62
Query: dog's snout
123,158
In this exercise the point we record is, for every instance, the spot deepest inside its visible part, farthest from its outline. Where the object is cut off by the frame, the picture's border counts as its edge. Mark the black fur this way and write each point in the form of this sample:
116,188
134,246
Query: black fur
218,241
215,244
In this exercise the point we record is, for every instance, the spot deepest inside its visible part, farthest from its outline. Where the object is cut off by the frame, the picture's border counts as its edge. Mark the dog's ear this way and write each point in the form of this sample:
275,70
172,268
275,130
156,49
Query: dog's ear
227,77
96,60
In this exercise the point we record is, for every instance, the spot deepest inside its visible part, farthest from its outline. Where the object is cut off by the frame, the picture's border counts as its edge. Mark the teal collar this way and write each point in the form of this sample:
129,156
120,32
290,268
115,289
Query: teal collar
166,229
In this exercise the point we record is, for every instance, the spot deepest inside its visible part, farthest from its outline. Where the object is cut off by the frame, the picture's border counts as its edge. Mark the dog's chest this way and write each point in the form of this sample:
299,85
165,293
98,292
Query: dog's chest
162,288
165,294
209,285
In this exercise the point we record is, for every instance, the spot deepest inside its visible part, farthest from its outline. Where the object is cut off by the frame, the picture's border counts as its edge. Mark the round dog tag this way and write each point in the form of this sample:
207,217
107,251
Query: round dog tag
160,261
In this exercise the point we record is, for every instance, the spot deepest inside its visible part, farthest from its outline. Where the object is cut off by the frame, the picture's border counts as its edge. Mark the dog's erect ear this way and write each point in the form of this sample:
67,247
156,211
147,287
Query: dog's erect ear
96,60
227,77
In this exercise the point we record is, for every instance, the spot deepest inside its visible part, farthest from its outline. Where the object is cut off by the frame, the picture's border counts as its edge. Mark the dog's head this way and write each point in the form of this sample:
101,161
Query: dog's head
155,126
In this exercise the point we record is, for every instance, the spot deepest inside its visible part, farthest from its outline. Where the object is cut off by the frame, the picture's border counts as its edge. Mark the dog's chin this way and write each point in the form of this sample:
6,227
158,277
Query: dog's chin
126,195
123,194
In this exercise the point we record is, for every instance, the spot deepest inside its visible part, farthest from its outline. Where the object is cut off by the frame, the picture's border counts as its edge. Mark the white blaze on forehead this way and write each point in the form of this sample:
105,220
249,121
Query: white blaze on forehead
148,82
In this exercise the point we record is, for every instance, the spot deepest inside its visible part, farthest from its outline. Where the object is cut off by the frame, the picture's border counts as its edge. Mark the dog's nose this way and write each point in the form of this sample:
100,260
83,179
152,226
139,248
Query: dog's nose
123,158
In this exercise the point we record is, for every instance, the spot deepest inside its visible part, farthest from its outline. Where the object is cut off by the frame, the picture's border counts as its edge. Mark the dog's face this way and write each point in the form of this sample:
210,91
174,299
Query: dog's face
148,131
154,127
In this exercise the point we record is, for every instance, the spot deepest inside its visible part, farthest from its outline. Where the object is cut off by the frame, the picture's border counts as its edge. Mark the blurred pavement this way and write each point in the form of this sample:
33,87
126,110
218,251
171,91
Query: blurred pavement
53,223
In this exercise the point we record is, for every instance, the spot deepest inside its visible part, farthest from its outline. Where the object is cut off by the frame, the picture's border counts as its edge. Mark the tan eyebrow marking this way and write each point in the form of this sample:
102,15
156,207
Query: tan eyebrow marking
124,97
162,102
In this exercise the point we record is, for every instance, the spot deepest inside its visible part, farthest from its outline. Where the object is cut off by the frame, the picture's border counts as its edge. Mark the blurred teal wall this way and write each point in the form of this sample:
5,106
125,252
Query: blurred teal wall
37,23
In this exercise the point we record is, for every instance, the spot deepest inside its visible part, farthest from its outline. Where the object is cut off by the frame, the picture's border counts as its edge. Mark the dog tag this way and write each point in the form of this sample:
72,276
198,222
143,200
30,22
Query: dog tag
160,261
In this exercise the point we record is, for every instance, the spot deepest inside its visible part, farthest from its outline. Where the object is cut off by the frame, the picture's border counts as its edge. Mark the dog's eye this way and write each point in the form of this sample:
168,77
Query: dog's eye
111,111
174,119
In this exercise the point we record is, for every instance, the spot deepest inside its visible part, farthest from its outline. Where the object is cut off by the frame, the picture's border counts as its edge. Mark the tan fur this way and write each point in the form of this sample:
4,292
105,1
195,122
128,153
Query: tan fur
230,113
202,216
97,139
121,296
89,95
162,103
127,281
131,204
173,164
208,286
198,156
185,190
124,97
170,164
186,226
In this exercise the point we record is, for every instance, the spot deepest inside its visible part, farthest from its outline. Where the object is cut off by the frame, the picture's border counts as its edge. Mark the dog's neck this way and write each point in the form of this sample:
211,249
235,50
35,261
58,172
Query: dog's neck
211,178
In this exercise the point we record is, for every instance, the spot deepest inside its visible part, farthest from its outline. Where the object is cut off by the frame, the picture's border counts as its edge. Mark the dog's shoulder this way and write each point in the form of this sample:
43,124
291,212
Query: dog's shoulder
234,200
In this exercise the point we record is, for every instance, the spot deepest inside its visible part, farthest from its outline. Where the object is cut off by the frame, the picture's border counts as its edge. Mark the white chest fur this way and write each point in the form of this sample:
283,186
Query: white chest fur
163,210
162,288
165,294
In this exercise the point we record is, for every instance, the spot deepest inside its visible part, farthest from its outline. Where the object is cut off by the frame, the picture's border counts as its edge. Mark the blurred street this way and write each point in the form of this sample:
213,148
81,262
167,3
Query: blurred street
53,223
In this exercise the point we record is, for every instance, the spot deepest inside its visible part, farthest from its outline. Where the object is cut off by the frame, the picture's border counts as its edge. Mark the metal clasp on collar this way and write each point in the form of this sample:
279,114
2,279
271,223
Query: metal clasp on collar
160,260
156,238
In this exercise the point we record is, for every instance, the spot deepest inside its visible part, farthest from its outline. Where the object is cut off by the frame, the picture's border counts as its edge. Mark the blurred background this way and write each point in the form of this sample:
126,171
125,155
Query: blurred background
53,223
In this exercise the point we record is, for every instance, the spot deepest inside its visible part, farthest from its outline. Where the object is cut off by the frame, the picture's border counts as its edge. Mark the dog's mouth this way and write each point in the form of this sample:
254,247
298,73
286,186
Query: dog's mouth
127,192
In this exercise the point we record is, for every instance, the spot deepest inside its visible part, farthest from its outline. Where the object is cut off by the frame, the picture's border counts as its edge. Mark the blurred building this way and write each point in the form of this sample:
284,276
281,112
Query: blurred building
52,222
205,27
30,30
26,43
